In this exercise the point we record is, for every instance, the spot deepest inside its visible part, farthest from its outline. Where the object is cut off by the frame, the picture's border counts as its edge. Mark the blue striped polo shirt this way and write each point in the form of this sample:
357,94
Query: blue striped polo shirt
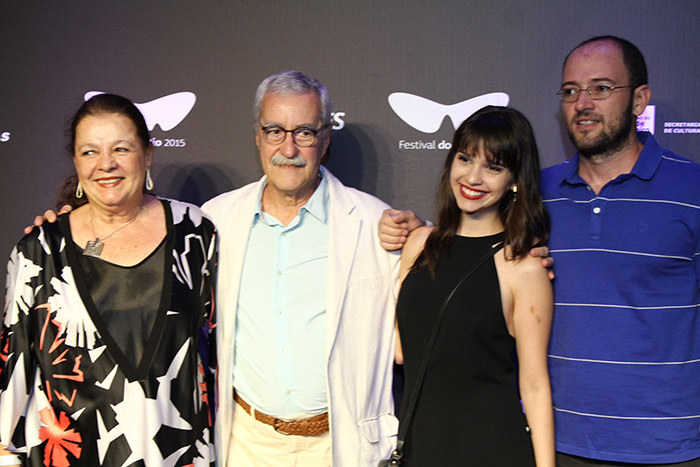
624,355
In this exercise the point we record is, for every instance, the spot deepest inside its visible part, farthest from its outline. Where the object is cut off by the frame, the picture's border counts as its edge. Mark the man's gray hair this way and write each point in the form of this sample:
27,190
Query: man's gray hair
291,83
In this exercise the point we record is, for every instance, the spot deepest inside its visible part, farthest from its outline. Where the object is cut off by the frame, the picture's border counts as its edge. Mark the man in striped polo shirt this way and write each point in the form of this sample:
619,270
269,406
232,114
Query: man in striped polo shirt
625,347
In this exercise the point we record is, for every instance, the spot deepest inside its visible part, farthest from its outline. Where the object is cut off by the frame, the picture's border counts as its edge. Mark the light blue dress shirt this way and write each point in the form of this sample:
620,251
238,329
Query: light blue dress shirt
279,366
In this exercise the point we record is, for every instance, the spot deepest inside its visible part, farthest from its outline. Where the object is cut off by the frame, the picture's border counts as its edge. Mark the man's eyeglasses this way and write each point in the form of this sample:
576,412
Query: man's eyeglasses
302,136
596,92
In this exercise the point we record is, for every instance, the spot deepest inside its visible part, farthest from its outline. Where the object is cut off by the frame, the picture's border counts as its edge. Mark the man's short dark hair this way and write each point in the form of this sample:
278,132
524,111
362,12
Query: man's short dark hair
632,57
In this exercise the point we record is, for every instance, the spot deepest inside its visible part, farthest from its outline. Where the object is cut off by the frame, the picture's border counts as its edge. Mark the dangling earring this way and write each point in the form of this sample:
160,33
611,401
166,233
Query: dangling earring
515,193
79,191
149,180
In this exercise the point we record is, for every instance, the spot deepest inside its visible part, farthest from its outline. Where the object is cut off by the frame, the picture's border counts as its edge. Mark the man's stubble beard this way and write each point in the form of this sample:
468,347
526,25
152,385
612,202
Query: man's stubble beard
607,144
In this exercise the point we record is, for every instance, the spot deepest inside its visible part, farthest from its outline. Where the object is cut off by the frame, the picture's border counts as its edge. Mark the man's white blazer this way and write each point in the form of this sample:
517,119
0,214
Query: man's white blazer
361,297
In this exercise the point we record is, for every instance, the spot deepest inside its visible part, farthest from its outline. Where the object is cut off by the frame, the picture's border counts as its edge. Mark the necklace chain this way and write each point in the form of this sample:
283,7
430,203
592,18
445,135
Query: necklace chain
94,247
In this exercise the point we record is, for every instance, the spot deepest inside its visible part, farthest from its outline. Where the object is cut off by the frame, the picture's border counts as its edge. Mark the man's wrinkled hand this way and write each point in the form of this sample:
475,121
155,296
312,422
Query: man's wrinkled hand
394,227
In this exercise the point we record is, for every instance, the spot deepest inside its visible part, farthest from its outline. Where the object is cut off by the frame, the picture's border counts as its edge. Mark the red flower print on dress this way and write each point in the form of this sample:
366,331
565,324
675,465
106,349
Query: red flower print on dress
59,438
4,348
77,374
205,393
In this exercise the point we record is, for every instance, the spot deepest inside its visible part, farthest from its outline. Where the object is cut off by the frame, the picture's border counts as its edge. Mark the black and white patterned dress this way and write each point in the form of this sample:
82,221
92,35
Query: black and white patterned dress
68,395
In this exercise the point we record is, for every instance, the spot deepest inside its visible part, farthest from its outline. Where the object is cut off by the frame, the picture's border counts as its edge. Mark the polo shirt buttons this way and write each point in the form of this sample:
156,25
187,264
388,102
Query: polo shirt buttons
596,218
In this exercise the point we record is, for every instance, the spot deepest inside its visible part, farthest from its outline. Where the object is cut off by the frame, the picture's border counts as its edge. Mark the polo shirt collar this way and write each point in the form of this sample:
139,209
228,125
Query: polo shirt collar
649,159
645,167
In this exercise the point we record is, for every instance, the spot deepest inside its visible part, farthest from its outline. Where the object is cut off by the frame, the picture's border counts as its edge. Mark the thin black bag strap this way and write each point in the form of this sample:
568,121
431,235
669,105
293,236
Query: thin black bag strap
424,365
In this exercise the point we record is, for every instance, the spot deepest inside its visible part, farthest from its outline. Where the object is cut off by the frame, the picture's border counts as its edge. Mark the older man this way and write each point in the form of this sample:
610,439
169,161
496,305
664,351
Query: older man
625,213
305,300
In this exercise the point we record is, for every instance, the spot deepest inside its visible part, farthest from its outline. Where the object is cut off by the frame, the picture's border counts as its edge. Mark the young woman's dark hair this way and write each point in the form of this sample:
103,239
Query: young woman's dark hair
99,104
504,136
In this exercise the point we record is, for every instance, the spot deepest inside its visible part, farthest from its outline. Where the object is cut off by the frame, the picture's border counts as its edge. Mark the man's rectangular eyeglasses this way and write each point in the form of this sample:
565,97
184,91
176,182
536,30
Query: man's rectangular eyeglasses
302,136
596,92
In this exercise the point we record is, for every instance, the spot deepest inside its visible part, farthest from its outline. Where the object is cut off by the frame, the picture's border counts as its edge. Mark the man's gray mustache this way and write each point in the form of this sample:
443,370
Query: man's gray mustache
282,161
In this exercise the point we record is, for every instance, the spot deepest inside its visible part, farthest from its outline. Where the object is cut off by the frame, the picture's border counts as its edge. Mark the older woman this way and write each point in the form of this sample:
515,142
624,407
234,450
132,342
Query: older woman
104,341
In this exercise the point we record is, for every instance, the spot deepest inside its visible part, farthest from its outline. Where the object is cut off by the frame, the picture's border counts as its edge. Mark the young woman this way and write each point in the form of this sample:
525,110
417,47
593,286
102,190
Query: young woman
469,409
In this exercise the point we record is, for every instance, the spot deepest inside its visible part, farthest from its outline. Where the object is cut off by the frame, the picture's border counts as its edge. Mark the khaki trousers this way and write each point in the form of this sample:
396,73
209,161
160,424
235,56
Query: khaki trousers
257,444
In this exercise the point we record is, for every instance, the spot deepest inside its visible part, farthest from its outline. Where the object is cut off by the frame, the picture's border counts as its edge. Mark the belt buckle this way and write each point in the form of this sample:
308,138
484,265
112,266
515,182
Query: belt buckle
301,425
279,427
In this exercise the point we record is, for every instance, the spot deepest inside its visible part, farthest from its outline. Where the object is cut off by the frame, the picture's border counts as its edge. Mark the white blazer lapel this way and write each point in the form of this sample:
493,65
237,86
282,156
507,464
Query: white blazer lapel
237,231
344,231
233,216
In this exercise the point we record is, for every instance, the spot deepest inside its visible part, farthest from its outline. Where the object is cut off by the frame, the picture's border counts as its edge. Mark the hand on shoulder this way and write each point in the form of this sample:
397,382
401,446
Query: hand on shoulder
416,240
49,216
527,265
395,226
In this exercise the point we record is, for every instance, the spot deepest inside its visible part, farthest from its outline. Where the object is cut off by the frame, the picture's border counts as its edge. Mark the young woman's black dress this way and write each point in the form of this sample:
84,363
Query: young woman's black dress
468,411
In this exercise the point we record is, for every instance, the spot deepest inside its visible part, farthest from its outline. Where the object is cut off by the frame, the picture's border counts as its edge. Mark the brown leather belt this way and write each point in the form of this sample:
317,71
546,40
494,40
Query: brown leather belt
313,426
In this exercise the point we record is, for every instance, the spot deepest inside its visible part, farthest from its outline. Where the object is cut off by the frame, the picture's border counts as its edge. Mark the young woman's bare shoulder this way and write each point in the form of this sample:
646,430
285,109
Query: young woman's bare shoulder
413,247
416,240
527,266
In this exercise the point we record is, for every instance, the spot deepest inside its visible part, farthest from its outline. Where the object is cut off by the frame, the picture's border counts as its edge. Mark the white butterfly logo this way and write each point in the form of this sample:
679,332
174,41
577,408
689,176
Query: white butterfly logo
167,111
427,116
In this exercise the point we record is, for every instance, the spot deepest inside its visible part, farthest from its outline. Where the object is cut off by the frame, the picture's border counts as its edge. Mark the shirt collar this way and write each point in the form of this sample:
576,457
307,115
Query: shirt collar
317,205
644,168
650,158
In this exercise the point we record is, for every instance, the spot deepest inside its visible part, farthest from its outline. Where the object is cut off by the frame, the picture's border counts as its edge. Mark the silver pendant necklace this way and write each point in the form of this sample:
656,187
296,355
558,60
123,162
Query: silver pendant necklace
94,247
